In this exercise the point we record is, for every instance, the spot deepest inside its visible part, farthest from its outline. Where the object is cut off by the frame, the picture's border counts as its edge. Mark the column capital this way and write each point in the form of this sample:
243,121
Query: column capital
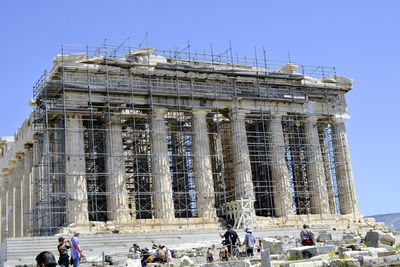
340,118
28,147
20,155
198,112
238,112
312,118
159,110
114,119
277,115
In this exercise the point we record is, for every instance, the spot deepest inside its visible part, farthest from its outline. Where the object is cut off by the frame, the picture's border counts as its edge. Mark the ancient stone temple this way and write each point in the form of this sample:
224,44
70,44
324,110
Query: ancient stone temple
133,139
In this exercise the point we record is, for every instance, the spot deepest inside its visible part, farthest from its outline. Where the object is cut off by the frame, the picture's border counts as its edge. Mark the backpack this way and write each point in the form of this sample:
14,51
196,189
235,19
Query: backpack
233,236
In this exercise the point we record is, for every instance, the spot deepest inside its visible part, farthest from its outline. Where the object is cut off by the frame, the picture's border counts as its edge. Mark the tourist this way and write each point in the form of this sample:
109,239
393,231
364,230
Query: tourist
146,258
210,254
46,259
160,254
153,251
63,246
231,237
168,256
307,236
223,254
76,252
249,242
135,250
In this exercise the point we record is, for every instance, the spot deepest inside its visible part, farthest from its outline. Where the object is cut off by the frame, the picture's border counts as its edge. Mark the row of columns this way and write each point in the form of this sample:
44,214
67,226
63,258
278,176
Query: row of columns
17,196
202,170
17,190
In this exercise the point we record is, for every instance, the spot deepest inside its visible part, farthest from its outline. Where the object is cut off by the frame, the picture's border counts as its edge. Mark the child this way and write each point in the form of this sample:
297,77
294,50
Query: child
210,254
63,247
223,254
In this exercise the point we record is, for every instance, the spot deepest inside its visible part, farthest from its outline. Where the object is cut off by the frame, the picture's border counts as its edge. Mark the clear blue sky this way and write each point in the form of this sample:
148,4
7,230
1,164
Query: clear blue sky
360,38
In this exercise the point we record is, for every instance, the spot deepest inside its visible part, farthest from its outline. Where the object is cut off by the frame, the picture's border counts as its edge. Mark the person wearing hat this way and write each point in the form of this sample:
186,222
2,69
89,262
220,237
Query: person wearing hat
135,250
76,252
160,254
249,242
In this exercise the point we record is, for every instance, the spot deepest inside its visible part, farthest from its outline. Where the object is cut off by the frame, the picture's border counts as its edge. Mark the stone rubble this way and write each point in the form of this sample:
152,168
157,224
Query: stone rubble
359,248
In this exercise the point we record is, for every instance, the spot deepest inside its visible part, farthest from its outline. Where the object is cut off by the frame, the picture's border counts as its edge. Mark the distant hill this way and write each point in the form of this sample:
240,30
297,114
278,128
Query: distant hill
388,219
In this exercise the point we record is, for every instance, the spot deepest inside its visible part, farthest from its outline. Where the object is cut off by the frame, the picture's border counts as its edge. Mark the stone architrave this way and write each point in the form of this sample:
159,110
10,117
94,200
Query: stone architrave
241,158
75,179
161,183
117,198
11,203
279,170
28,189
19,212
344,172
315,169
202,169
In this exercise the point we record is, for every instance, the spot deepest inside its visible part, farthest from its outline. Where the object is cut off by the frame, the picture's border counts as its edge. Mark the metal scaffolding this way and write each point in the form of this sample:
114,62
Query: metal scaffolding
106,96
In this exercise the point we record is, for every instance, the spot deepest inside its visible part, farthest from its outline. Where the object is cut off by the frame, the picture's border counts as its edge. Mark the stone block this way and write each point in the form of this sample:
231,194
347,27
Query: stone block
367,261
372,239
377,238
337,236
274,245
389,261
303,252
352,254
186,261
348,237
345,263
374,251
326,249
265,258
324,237
244,263
317,263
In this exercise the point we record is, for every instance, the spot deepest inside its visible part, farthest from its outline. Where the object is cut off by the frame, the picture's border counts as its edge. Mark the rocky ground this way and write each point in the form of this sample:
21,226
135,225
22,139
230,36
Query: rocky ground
334,249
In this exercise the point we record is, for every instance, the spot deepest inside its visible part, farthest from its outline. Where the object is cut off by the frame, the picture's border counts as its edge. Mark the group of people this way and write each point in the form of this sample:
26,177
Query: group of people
232,244
161,254
158,253
47,259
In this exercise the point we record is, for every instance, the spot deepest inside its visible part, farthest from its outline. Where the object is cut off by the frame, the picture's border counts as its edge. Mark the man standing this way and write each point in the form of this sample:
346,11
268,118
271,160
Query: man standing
231,237
76,251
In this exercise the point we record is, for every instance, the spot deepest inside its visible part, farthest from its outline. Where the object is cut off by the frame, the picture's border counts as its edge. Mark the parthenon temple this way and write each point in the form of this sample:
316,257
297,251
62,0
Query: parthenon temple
135,139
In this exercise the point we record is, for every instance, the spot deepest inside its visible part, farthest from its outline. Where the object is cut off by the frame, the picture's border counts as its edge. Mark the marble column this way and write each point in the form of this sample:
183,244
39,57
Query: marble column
241,157
315,169
161,180
202,169
117,198
344,172
19,212
75,179
3,206
328,177
28,187
283,203
11,203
